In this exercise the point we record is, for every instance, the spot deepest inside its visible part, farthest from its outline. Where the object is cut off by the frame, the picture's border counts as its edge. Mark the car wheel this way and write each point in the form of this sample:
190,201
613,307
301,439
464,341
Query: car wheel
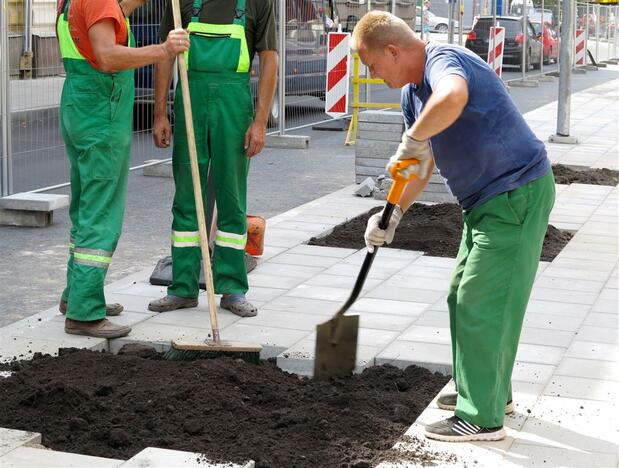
442,28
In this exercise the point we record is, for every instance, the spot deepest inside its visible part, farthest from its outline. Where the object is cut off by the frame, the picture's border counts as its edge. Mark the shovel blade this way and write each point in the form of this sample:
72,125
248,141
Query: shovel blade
336,347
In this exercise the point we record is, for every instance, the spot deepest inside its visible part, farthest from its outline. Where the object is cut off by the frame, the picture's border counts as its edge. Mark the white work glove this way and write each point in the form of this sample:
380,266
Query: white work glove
413,149
375,236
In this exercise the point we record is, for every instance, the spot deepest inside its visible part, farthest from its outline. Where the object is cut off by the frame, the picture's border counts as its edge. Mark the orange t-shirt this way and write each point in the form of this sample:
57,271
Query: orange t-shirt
83,14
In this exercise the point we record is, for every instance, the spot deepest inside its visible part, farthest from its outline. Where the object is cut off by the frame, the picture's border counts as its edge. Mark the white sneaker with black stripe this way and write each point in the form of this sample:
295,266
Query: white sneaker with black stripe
447,401
455,429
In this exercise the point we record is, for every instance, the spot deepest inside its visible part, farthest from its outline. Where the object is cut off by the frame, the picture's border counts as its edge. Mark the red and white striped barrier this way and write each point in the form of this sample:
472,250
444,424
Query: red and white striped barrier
338,58
579,56
495,55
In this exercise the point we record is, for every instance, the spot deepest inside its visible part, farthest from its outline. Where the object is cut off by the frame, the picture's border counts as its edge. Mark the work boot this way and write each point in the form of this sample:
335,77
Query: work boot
98,328
111,310
238,305
170,302
447,401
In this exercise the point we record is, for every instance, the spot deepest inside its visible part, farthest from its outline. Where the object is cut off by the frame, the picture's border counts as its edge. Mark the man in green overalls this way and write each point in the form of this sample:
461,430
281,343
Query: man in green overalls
96,113
223,40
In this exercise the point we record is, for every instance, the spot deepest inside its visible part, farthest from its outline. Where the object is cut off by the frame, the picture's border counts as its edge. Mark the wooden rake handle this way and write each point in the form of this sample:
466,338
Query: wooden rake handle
195,177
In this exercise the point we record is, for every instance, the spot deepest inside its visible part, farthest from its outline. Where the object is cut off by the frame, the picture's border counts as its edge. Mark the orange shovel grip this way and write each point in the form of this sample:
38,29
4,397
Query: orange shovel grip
399,180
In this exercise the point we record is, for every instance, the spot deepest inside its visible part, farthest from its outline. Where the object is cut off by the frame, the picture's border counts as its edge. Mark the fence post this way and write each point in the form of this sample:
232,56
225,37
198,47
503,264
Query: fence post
6,172
565,77
282,68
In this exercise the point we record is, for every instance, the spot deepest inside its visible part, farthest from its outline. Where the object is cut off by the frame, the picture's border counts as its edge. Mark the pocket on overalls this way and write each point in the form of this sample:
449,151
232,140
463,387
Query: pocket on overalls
518,202
213,53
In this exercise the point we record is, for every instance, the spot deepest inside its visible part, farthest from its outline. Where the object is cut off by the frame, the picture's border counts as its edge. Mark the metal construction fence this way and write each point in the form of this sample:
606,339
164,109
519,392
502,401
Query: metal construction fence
32,74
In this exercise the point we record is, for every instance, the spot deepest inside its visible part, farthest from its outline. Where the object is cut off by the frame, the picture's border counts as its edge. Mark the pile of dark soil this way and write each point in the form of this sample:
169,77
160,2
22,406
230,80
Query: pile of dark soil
116,405
566,175
432,229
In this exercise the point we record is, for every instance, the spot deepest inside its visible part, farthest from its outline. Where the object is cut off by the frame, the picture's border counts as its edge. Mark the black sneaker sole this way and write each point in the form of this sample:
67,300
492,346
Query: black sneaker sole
186,305
483,437
509,407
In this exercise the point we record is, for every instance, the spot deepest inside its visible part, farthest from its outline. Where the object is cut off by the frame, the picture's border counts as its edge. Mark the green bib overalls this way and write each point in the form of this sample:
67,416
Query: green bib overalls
218,69
96,115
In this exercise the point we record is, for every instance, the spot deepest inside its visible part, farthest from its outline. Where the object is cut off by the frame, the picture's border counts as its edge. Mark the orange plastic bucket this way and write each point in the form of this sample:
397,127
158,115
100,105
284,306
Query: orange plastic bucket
256,226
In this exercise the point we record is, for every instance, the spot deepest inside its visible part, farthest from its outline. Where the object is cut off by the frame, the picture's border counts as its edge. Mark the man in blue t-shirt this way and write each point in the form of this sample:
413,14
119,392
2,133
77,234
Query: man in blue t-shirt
460,118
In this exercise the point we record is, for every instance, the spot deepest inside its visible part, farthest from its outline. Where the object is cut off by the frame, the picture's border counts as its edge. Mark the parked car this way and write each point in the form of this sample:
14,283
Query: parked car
477,41
434,23
550,39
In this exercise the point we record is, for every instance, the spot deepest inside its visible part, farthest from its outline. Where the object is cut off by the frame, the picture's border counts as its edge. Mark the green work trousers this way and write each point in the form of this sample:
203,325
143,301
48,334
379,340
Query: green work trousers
222,113
96,115
495,268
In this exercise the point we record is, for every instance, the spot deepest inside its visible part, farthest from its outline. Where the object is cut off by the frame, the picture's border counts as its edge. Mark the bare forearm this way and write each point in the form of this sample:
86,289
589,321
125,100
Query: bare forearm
163,77
117,57
413,189
266,85
442,109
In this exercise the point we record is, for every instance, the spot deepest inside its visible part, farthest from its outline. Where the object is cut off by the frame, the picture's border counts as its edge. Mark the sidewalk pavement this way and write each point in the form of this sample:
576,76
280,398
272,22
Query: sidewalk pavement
566,376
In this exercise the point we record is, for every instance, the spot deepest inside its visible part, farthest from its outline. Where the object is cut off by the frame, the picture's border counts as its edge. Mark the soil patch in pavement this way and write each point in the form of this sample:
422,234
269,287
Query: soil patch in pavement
114,406
566,175
432,229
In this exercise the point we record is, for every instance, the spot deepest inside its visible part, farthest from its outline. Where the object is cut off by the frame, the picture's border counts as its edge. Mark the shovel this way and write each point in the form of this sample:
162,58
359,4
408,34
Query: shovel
336,339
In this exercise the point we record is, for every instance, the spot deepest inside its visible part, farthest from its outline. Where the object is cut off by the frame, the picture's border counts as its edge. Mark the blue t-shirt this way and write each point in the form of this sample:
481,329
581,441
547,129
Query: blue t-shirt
490,149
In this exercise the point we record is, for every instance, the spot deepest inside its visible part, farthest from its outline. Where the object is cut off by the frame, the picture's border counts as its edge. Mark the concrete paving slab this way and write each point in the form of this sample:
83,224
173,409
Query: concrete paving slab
388,306
588,369
593,350
433,356
276,269
427,272
273,281
437,335
562,295
557,308
321,251
572,424
144,289
305,260
598,319
131,303
261,295
552,322
10,439
24,348
539,354
547,281
152,457
344,282
582,388
194,318
433,318
125,318
304,305
405,294
320,292
347,269
51,331
390,322
546,337
523,455
273,340
418,282
598,335
287,320
42,458
531,372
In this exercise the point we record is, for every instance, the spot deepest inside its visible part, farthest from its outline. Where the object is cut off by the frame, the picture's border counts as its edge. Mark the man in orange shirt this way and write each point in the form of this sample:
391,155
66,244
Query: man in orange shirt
96,112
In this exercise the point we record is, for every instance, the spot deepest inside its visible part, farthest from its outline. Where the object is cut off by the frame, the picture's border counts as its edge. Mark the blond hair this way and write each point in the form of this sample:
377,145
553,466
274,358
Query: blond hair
378,28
